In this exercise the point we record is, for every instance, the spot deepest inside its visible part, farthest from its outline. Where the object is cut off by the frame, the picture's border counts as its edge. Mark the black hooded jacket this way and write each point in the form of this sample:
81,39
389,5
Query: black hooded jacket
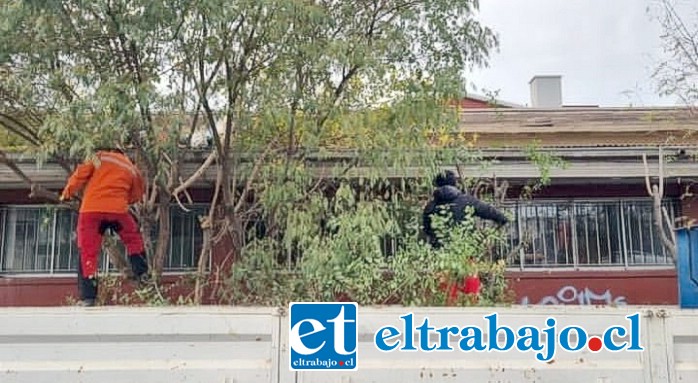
458,202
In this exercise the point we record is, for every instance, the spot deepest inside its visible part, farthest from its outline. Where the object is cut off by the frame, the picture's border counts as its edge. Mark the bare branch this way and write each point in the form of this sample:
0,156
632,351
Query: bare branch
657,193
338,93
36,191
647,174
669,224
187,194
661,172
207,225
39,192
13,166
677,73
117,259
658,221
197,174
683,36
179,202
153,194
17,127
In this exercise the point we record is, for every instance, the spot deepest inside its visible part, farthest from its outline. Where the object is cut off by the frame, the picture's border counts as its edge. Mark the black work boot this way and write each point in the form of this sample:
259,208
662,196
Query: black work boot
139,266
87,287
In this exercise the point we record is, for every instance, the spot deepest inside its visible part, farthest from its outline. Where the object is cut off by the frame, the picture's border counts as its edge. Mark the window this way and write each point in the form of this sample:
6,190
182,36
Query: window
186,239
26,241
585,233
37,239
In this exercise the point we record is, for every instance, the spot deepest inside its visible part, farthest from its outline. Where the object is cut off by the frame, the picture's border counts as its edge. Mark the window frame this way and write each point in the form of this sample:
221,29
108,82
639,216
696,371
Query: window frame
620,204
104,265
572,206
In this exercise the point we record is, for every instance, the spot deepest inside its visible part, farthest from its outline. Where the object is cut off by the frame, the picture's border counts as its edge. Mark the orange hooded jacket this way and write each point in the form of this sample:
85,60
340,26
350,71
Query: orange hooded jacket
111,181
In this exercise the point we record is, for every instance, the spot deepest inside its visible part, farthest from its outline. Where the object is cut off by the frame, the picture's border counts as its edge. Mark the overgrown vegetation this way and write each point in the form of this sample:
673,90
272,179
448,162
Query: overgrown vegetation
348,262
327,121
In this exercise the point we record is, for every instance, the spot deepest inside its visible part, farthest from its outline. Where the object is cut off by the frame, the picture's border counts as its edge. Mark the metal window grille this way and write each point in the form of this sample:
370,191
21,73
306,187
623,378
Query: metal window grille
569,234
585,234
36,239
580,234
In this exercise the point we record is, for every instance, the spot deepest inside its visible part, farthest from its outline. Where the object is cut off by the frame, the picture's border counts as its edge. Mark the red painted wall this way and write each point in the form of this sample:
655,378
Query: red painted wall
59,290
641,287
636,287
50,291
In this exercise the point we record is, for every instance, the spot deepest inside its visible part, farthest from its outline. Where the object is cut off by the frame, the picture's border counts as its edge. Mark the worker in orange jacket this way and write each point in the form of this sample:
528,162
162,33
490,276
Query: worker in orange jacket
111,182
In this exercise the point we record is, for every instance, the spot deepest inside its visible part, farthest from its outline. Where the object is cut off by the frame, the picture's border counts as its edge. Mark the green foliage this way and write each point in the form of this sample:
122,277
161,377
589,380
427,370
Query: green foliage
343,258
315,109
545,163
10,142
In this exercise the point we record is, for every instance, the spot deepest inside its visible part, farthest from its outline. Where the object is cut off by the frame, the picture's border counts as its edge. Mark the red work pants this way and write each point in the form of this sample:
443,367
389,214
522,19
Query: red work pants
91,228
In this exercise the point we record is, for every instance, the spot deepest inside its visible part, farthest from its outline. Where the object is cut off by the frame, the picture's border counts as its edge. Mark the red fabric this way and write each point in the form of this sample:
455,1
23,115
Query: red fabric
472,285
468,286
90,239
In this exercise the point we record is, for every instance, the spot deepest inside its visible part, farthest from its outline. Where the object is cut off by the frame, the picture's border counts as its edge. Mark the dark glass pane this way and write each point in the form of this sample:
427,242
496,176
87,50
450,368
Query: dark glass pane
66,247
26,240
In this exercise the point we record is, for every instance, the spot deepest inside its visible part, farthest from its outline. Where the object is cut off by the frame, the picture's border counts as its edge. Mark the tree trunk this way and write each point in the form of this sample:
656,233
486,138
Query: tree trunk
117,259
163,239
657,194
203,258
659,223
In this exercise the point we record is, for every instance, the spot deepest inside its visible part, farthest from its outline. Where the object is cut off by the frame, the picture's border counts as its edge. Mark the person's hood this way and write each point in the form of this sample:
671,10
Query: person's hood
446,193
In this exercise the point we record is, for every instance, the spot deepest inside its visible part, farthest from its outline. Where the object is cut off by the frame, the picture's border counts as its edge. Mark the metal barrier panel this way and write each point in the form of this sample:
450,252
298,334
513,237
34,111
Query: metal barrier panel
494,366
230,344
681,342
687,245
111,345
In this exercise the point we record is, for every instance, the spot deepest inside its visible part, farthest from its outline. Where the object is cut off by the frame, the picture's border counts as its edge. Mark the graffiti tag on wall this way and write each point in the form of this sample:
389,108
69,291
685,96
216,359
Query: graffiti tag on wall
570,295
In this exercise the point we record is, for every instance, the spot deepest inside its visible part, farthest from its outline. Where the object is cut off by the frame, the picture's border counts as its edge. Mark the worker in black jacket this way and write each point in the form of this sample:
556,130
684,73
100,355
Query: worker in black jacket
446,193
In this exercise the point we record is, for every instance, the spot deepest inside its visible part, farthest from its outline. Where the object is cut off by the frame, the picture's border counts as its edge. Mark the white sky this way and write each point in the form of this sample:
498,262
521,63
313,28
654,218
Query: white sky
601,48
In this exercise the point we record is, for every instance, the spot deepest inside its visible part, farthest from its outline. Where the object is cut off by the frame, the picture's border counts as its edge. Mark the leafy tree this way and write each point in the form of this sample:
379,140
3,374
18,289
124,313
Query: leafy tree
327,119
77,75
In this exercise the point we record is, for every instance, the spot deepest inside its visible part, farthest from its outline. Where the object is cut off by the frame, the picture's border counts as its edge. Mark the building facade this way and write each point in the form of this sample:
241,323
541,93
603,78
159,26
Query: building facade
586,238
